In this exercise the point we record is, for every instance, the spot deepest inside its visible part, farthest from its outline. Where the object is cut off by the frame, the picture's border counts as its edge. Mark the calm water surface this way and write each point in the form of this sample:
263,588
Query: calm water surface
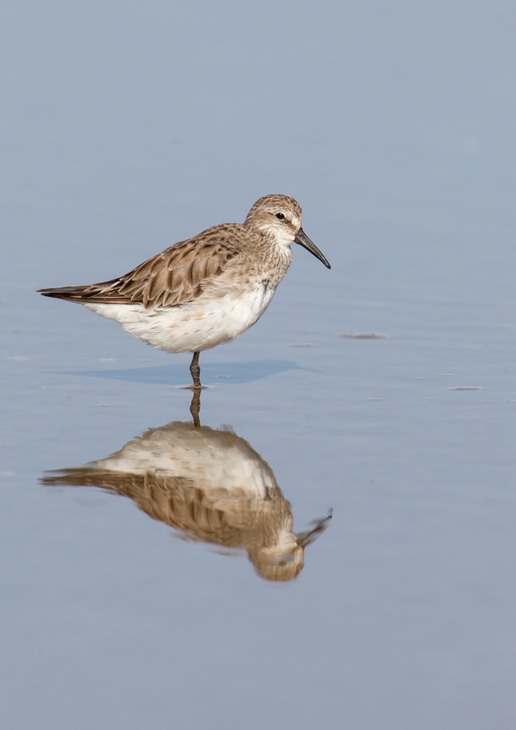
155,574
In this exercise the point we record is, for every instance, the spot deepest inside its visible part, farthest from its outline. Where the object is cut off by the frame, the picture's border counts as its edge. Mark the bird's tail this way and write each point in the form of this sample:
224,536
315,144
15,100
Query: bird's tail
65,292
93,293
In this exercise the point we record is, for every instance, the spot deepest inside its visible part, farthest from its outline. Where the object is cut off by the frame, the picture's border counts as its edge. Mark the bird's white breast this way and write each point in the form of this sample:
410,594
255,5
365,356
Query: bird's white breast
213,318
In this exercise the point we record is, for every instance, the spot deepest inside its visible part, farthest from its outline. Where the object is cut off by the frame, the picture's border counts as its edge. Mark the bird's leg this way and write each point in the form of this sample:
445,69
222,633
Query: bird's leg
195,370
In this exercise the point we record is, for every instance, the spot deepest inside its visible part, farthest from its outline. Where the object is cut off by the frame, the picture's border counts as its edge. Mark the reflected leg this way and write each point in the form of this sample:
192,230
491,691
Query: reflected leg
195,407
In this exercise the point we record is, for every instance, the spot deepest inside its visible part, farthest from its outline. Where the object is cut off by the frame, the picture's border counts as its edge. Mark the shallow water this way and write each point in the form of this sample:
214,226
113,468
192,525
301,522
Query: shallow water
381,392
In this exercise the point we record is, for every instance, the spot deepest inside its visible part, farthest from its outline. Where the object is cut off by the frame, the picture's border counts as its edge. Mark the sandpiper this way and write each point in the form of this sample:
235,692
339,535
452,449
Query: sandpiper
206,290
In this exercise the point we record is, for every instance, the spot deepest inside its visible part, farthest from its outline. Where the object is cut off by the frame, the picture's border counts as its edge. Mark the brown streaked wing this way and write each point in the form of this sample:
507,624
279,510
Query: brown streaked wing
175,276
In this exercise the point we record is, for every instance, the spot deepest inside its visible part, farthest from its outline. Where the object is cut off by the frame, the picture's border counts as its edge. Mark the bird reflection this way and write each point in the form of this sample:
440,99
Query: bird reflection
211,486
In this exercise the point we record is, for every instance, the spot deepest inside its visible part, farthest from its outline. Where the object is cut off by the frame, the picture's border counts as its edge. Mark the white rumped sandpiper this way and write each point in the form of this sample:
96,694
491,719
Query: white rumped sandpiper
206,290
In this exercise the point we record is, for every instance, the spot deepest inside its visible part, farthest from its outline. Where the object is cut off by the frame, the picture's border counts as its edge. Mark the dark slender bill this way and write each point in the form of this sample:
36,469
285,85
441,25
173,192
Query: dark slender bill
304,241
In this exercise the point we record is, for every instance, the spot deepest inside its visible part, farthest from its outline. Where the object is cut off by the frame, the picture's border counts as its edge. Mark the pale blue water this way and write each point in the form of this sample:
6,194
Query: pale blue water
127,128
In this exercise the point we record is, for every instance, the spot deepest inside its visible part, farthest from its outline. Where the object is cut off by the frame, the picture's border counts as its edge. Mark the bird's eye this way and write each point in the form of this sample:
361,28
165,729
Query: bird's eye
280,216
